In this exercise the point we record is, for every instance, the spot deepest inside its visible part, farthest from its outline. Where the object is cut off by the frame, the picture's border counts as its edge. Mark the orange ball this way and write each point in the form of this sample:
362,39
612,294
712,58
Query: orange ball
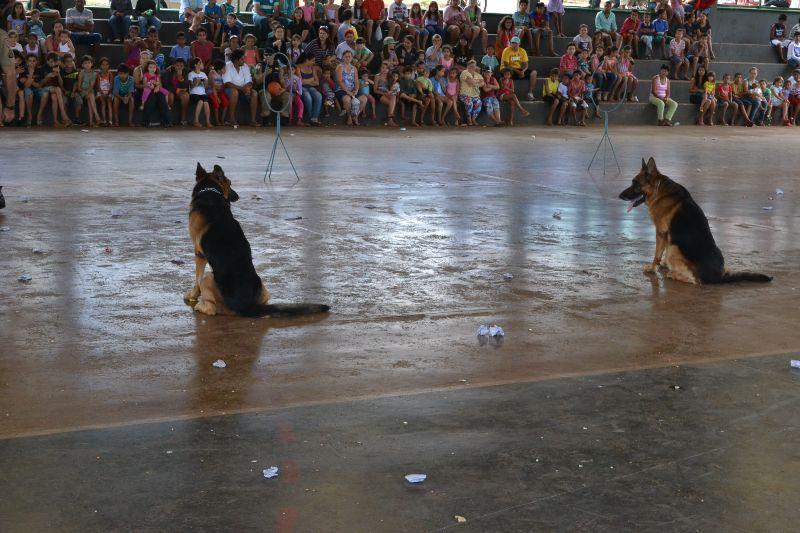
274,88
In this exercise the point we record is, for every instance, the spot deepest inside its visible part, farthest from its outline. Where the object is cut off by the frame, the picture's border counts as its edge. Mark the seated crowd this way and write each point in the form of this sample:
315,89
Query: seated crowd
326,58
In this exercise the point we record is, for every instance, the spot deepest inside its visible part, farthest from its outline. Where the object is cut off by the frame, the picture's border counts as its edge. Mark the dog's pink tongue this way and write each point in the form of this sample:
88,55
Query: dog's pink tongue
631,205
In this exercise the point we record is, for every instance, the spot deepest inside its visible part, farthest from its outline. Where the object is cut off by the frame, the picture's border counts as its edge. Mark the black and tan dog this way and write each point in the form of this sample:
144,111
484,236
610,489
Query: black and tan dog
684,244
232,286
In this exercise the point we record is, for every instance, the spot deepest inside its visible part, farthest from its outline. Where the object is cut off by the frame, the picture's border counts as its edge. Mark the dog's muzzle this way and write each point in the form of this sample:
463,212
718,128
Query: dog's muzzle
639,200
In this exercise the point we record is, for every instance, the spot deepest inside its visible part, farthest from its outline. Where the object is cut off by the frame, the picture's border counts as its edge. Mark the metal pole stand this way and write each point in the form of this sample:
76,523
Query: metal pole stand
605,140
278,138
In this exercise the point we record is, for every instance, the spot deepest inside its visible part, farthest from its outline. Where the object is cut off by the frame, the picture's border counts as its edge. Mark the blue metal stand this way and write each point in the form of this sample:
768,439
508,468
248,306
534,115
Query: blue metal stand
277,112
605,140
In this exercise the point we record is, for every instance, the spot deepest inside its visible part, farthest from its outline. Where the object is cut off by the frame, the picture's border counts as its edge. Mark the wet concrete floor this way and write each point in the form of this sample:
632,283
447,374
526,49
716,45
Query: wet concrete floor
408,236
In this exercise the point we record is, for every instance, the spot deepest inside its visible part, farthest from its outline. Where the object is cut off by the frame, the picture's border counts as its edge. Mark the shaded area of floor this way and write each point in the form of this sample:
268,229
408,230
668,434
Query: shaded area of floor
693,448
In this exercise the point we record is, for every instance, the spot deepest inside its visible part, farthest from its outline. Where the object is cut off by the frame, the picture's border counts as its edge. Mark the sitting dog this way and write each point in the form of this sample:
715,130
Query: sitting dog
232,286
684,244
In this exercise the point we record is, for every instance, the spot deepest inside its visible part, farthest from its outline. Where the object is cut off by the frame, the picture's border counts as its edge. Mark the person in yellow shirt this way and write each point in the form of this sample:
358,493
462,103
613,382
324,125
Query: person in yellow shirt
550,94
515,59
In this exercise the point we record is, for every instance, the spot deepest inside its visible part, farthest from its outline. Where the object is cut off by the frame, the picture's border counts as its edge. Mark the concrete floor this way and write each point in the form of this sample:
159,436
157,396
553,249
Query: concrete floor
104,370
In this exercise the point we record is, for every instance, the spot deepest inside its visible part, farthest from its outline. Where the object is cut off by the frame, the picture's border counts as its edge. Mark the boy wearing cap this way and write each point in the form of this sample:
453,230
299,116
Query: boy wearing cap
515,59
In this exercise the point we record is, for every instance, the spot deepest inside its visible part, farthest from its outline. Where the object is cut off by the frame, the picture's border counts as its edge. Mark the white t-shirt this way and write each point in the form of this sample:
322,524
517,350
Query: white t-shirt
238,78
200,88
343,47
793,51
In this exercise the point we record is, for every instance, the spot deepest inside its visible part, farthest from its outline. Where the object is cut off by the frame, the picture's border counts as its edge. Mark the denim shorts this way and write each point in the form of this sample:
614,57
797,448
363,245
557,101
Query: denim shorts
491,104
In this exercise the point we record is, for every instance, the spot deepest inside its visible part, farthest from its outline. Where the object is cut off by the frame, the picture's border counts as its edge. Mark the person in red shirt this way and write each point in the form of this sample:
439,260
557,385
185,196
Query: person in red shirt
375,11
577,88
202,47
630,32
569,61
541,28
725,99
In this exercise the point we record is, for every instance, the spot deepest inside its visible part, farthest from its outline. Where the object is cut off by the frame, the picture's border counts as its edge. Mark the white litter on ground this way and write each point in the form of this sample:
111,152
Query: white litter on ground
38,251
416,478
795,363
24,278
270,472
779,192
767,208
557,215
483,330
219,363
508,275
460,519
116,213
5,228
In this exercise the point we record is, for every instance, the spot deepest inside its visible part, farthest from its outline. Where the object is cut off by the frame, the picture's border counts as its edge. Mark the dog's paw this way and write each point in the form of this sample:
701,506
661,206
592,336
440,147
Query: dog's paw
206,307
649,268
192,294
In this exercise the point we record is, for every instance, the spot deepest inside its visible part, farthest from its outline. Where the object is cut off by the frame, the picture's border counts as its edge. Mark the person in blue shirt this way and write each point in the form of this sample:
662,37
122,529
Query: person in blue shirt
180,50
661,27
213,13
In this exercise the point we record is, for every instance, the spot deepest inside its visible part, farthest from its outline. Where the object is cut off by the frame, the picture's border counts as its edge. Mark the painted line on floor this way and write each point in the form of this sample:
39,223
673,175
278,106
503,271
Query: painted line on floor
378,396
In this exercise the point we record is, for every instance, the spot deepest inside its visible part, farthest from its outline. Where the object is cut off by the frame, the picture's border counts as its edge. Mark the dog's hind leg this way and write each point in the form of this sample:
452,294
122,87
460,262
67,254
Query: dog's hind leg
679,269
264,294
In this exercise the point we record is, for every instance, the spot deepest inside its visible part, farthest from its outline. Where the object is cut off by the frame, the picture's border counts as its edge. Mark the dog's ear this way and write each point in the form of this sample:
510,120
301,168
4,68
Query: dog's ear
218,171
651,167
200,173
644,164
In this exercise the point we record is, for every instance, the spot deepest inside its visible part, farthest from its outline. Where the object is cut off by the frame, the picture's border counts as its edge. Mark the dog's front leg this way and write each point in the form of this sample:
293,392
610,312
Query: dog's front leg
661,245
200,262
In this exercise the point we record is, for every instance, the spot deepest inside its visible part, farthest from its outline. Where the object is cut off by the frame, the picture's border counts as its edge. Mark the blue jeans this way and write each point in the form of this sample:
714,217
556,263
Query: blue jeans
794,63
86,38
434,30
145,22
608,85
312,100
757,108
119,26
262,23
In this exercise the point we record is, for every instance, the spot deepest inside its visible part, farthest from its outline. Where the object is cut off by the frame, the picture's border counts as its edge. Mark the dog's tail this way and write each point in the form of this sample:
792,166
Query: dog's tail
286,310
730,277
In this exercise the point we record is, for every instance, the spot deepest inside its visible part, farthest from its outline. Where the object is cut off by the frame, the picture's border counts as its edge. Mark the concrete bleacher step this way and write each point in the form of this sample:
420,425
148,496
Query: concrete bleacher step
629,113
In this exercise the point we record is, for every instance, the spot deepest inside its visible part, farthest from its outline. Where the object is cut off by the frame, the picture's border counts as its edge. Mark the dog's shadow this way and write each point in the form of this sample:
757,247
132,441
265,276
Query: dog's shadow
238,341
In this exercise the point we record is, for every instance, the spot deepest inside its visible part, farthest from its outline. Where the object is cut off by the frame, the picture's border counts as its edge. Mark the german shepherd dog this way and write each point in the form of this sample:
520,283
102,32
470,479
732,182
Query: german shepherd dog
233,286
684,244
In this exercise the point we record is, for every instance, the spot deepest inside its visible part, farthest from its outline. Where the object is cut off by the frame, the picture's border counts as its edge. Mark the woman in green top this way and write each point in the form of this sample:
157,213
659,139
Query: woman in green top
473,13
